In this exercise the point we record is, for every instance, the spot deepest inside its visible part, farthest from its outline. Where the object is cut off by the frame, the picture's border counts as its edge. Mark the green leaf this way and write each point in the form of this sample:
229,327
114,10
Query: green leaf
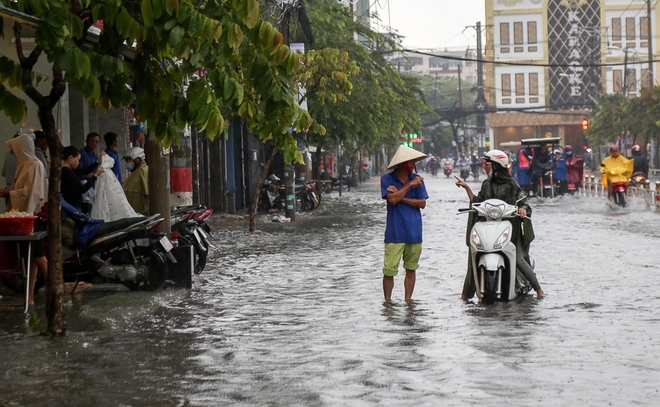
147,13
169,6
81,63
176,36
158,8
227,89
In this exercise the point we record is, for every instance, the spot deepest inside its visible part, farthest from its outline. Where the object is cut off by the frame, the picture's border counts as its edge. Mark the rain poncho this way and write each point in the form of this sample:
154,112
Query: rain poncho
110,202
504,187
29,191
617,169
136,188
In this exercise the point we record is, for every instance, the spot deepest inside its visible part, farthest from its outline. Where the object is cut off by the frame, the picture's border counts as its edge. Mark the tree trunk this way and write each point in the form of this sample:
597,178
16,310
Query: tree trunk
45,105
159,182
257,190
54,285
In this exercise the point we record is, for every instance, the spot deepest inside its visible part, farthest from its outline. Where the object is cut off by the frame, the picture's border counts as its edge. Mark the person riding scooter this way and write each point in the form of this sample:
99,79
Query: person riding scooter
616,170
501,185
464,166
574,170
641,163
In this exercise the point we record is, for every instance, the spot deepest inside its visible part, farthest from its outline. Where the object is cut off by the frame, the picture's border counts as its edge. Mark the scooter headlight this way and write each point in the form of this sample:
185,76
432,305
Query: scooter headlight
504,237
495,211
476,240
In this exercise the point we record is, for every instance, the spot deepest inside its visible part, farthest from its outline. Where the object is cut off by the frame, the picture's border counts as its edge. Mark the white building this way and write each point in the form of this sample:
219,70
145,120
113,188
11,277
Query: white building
552,55
433,63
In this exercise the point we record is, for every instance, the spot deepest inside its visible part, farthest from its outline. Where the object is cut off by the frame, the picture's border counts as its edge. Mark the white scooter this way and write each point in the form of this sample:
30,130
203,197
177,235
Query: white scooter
493,254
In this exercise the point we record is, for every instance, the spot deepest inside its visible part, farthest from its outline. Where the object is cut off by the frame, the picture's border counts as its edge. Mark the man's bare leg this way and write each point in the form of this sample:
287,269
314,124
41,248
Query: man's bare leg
40,263
409,284
388,285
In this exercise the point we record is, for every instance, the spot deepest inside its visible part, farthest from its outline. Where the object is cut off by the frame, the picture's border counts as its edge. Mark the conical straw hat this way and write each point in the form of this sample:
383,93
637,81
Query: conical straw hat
404,154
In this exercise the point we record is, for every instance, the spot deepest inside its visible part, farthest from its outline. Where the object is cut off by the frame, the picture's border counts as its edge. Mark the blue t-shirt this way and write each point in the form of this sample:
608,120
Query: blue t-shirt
117,167
404,222
86,159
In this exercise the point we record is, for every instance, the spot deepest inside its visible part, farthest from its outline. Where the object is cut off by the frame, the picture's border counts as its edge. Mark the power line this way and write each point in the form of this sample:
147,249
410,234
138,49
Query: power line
527,63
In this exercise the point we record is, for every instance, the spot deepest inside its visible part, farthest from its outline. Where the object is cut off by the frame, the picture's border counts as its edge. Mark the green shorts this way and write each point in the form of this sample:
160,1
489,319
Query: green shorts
393,253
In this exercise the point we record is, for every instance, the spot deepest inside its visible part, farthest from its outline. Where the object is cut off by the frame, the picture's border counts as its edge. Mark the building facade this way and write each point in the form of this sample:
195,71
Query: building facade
555,58
440,63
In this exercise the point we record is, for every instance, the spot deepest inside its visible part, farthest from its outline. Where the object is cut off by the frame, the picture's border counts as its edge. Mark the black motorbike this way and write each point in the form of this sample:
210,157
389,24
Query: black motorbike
189,227
126,251
273,195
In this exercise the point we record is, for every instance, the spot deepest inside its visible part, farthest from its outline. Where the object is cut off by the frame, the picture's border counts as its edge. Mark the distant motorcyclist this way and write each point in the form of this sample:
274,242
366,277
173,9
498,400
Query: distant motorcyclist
589,160
574,167
464,166
447,161
501,185
541,164
615,168
641,164
475,163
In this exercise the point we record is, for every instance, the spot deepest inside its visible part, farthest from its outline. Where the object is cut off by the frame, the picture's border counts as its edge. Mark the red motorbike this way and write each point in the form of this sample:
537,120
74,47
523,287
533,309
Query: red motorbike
447,170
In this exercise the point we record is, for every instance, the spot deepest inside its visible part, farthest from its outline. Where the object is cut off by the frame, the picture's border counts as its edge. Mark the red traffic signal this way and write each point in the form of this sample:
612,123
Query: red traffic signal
585,124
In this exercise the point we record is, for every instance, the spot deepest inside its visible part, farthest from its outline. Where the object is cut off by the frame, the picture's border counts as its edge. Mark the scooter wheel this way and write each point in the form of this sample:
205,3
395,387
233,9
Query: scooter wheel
155,266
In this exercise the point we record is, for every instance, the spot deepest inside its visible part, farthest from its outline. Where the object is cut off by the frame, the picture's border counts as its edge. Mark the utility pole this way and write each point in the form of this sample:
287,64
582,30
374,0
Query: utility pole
625,73
480,103
460,105
650,75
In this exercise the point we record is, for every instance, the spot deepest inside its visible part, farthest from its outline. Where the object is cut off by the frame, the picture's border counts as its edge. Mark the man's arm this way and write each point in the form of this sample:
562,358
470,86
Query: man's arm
414,202
397,195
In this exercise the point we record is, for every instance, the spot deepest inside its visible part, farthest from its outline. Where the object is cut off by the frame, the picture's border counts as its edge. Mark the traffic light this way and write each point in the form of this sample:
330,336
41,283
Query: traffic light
585,124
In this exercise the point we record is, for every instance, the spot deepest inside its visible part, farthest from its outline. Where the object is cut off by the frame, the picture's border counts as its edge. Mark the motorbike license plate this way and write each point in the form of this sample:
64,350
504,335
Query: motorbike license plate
165,242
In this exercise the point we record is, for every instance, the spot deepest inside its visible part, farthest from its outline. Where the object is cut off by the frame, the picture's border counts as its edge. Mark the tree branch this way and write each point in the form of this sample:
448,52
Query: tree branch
27,65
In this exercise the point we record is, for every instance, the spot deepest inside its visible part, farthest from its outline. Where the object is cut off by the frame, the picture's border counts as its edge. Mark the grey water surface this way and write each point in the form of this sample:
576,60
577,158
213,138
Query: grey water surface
293,315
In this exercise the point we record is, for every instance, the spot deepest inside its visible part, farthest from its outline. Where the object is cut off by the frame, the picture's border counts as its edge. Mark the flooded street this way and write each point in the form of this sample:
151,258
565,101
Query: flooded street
293,315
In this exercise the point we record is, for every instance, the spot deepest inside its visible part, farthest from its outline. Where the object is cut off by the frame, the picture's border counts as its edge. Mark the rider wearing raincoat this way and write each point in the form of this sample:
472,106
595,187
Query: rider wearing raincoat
501,185
616,168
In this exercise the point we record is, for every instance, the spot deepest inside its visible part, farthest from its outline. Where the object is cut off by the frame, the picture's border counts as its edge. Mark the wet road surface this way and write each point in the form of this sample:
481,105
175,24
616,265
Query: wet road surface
293,315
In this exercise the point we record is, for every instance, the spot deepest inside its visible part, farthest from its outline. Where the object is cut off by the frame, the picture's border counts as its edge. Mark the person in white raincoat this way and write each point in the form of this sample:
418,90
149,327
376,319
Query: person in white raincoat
29,193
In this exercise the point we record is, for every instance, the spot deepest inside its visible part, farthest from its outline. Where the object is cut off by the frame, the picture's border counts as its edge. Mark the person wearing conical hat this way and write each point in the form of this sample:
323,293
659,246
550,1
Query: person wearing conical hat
406,196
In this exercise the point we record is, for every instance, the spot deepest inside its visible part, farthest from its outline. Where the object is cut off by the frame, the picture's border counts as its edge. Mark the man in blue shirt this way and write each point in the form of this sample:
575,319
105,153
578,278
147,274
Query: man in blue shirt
112,142
87,158
406,196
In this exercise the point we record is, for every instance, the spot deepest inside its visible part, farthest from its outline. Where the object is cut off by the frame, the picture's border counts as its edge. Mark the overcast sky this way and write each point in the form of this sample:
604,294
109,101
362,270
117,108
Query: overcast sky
436,24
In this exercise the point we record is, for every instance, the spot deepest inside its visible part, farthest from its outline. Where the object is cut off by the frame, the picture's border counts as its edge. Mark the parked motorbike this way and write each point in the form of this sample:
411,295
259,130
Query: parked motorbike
189,227
447,170
616,181
125,251
493,254
273,193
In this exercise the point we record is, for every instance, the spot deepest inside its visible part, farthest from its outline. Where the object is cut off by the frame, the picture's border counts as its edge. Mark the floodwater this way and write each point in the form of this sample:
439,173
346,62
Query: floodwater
293,315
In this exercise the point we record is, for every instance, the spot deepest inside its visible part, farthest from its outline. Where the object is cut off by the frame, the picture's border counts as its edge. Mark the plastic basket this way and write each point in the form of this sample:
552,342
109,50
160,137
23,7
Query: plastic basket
17,226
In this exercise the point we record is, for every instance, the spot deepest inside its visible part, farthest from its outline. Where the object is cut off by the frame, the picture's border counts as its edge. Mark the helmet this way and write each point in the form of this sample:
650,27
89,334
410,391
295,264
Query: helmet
589,150
568,148
636,147
462,155
614,148
133,153
498,157
474,154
